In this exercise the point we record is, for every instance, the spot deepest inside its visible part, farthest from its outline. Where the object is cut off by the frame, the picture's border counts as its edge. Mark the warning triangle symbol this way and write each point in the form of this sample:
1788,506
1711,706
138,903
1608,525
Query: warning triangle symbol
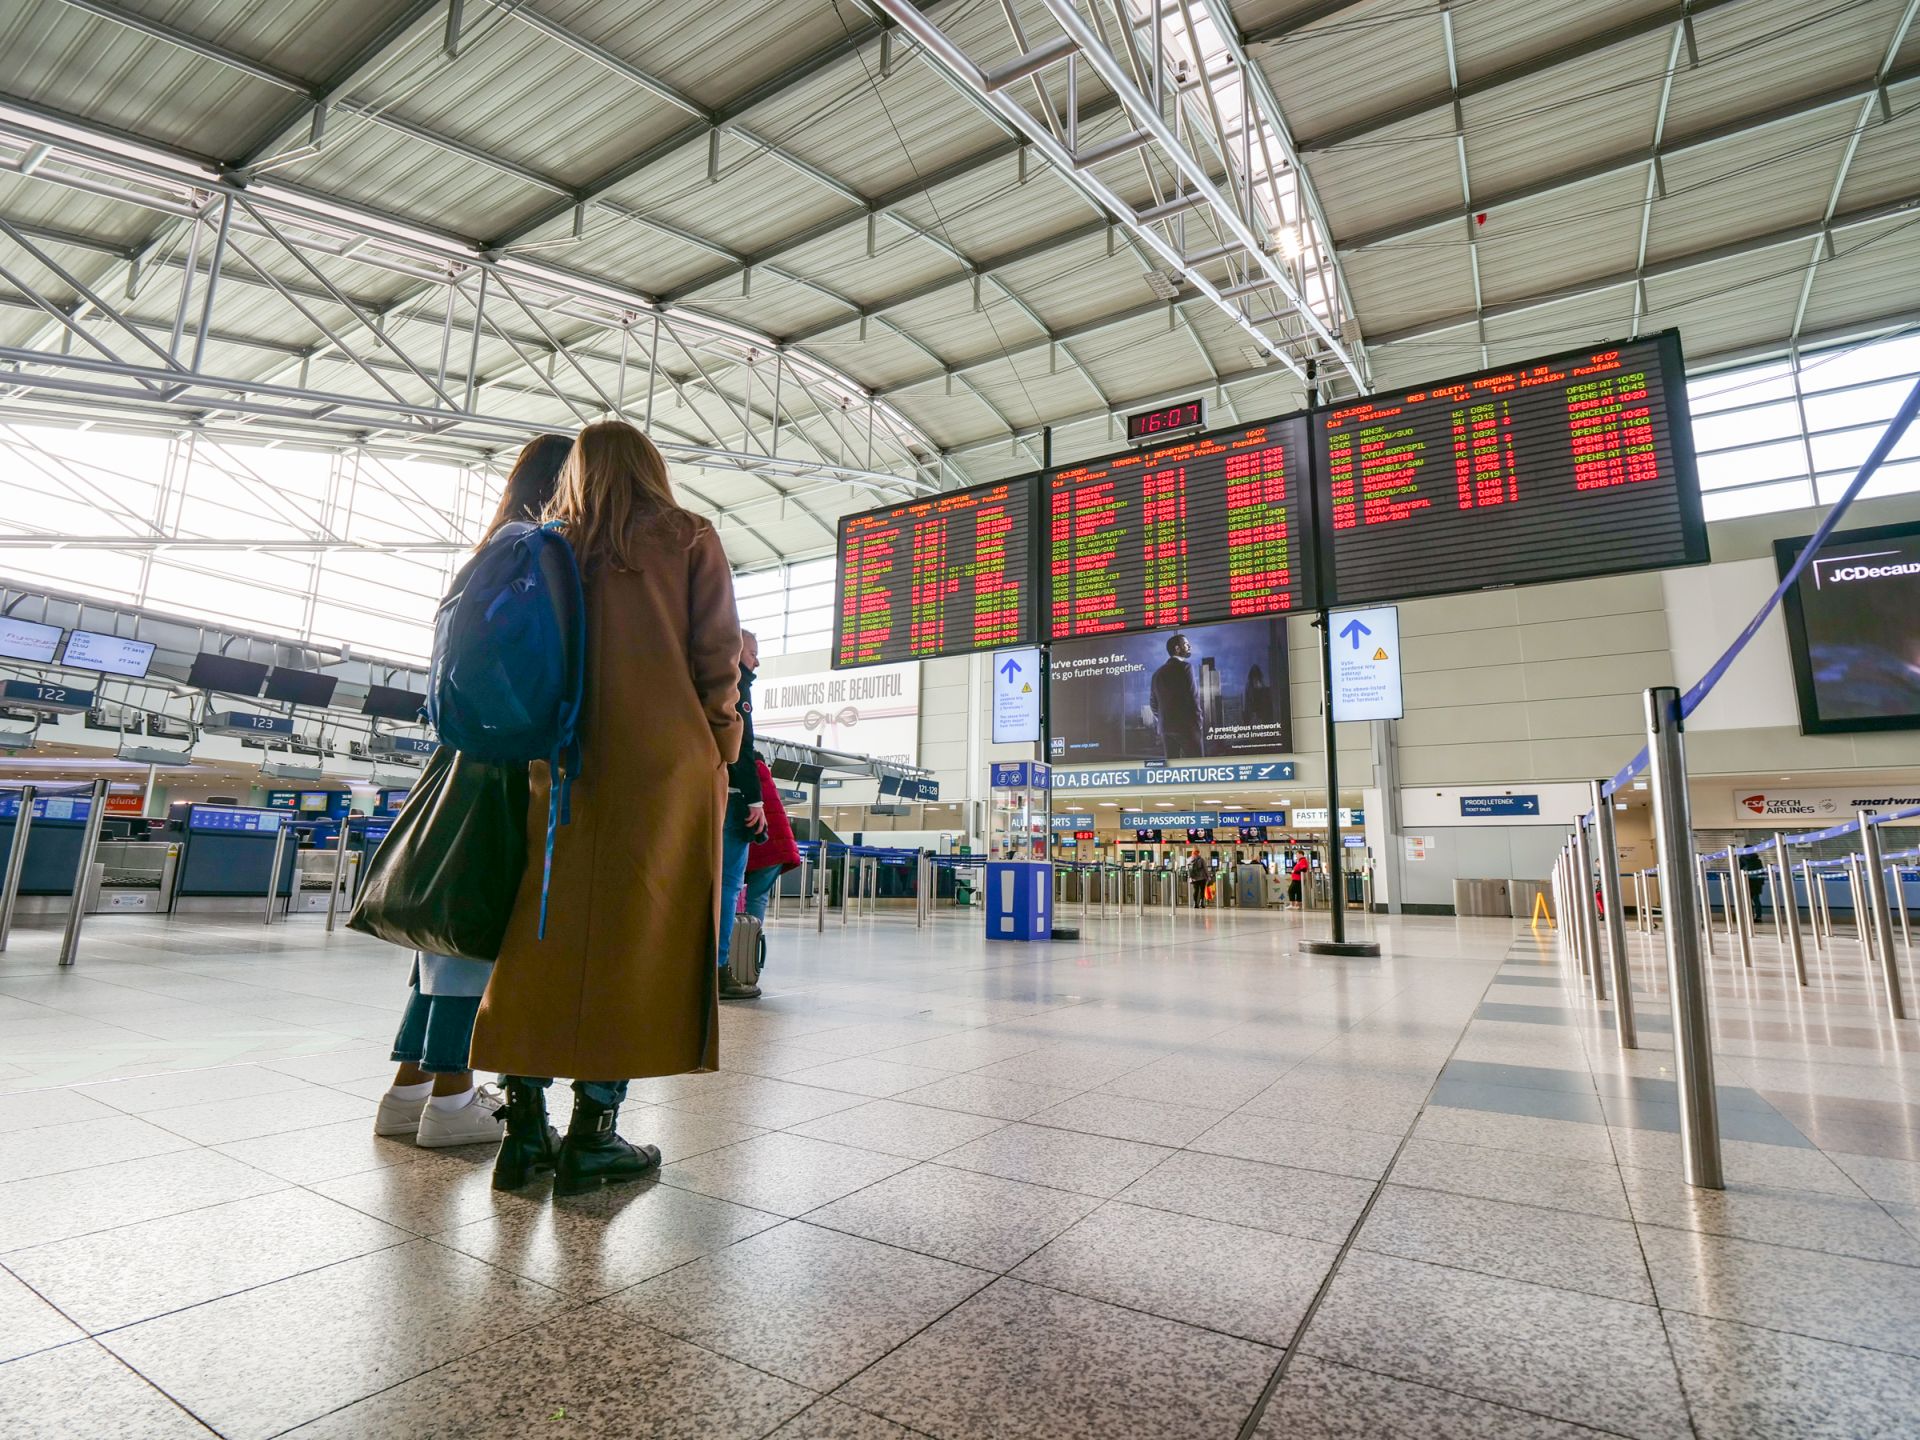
1380,654
1026,689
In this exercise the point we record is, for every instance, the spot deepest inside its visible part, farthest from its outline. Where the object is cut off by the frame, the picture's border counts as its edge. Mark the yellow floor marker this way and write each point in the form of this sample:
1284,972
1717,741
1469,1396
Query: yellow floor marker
1541,912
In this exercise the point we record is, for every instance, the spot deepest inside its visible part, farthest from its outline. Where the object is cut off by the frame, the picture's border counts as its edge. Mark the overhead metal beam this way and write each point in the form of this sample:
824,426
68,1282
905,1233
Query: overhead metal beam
414,20
1868,108
1567,52
773,88
381,240
1672,265
1625,160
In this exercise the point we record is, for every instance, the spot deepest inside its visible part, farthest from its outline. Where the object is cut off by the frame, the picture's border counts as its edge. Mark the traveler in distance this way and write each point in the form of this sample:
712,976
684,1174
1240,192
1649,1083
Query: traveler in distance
433,1097
623,985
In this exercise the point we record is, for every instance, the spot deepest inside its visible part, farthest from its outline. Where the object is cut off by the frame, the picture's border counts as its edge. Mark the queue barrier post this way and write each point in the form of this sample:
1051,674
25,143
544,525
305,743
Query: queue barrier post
1686,971
280,833
1774,872
1787,909
1741,898
1608,844
1900,896
1706,903
16,863
1589,918
89,842
1878,936
339,872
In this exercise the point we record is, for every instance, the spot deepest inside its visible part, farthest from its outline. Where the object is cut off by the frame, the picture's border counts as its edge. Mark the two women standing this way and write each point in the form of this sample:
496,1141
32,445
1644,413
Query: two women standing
623,985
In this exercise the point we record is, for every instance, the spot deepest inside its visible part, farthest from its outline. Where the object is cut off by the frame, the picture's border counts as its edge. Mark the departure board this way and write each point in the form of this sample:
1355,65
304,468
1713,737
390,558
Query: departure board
946,574
1212,527
1573,466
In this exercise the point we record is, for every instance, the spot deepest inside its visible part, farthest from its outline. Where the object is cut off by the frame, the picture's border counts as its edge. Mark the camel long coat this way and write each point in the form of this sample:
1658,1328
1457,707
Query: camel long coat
624,984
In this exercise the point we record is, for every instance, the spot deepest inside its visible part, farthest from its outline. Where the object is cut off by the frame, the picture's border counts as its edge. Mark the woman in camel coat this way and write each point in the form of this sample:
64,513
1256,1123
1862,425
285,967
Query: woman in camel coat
624,983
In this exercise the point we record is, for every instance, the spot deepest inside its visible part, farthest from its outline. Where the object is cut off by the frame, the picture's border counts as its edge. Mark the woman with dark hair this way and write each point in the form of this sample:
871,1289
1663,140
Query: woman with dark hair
624,983
433,1097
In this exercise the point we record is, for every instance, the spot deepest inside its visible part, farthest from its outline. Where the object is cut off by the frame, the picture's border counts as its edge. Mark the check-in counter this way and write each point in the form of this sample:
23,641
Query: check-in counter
227,856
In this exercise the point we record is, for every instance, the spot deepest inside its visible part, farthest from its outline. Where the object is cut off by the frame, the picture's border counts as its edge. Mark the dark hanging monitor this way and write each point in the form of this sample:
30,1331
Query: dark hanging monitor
226,674
390,703
301,687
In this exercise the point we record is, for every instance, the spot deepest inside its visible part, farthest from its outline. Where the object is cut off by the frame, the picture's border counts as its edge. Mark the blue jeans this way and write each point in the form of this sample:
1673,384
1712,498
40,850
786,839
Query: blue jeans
733,874
601,1092
436,1031
760,885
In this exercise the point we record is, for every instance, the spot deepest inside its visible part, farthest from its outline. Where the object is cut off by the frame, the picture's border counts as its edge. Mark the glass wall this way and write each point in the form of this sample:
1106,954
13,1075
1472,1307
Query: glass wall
789,608
1783,435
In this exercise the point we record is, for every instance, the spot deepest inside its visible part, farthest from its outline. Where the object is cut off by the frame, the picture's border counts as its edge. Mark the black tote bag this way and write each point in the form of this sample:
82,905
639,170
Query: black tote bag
446,876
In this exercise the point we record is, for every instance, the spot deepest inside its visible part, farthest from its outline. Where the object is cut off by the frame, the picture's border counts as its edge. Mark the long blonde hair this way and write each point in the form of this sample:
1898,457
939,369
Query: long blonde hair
613,486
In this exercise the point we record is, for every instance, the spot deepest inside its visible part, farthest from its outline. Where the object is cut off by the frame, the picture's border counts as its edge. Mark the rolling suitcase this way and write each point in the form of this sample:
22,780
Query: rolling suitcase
747,951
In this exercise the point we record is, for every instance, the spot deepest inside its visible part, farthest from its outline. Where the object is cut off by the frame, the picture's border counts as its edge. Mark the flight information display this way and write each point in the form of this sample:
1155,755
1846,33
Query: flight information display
1209,528
946,574
1577,465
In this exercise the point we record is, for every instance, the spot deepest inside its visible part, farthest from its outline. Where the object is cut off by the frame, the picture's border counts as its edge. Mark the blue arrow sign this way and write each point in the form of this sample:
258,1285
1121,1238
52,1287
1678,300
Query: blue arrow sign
1353,631
1010,669
1490,805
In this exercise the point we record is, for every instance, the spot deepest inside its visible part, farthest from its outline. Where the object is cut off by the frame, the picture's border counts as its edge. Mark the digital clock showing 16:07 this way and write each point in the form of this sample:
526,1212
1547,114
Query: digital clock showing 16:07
1188,415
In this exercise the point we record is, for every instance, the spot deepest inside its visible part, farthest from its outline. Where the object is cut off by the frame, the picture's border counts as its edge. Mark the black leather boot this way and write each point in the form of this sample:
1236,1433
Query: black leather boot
529,1147
593,1154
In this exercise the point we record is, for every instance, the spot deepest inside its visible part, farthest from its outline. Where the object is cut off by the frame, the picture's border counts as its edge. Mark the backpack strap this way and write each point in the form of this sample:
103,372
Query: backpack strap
564,763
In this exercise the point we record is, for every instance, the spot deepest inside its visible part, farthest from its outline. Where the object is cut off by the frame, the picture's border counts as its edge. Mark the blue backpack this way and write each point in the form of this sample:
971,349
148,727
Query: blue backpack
509,663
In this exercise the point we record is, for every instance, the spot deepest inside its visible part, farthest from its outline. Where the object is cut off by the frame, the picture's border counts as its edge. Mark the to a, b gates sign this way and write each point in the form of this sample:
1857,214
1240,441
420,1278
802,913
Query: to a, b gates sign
1155,777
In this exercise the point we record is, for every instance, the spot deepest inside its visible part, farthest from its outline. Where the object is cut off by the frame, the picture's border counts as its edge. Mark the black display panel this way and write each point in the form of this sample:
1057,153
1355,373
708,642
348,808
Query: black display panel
226,674
1853,627
301,687
1213,527
946,574
1184,694
389,703
1577,465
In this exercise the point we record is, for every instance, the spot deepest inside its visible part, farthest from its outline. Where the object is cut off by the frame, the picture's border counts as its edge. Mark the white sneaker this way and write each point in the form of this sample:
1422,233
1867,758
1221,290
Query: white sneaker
398,1117
477,1122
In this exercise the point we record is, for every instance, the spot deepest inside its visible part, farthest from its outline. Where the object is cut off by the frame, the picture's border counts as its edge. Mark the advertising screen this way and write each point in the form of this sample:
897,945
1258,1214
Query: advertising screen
109,654
1193,531
945,574
1576,465
1173,694
1853,631
28,640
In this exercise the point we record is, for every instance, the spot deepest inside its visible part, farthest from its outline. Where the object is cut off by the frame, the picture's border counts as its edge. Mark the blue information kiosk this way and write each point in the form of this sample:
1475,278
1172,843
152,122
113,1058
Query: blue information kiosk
1019,875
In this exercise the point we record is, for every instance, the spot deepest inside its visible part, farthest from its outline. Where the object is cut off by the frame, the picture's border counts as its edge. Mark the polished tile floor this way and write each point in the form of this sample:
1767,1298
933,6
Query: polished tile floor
1173,1180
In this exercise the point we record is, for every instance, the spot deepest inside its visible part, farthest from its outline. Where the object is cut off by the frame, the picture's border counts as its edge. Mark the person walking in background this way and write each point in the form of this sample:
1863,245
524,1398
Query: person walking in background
746,822
775,853
622,985
1297,877
433,1097
1198,874
1176,702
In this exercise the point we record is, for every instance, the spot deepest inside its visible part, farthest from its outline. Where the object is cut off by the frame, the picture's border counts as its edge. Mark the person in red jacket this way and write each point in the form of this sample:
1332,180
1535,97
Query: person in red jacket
773,854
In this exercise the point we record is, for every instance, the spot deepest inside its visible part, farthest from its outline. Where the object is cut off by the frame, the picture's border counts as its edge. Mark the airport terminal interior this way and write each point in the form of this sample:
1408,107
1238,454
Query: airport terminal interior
1337,593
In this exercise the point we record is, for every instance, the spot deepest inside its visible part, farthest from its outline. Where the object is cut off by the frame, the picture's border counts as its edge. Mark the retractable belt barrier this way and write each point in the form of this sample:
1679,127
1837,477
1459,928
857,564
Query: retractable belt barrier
1682,874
